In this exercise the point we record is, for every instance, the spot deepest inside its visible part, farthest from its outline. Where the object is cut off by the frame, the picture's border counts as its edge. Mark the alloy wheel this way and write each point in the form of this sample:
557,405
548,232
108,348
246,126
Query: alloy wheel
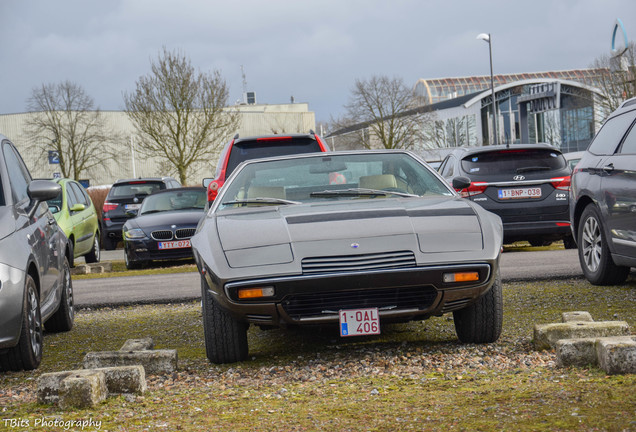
34,322
592,244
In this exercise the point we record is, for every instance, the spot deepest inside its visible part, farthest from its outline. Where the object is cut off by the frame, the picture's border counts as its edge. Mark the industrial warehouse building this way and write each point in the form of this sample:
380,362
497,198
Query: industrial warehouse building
255,119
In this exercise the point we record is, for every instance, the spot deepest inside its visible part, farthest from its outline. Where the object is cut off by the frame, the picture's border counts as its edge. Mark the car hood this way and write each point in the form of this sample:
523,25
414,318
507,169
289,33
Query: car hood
7,221
164,220
270,235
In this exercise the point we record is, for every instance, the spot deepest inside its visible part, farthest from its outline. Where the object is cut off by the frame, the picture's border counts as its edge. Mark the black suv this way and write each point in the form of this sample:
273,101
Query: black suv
525,184
603,200
241,149
124,197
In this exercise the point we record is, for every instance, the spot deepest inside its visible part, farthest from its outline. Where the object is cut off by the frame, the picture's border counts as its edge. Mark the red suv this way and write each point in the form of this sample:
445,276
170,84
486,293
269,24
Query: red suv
242,149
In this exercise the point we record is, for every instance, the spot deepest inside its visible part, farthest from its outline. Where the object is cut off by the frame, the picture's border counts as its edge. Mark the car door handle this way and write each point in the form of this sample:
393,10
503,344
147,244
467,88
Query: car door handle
608,168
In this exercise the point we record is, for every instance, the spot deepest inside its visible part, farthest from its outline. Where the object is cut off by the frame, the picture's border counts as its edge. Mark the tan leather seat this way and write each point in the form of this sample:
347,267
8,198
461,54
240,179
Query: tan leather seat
266,192
383,181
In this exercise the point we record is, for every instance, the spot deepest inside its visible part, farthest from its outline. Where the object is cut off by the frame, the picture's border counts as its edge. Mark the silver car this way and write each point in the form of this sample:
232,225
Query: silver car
35,278
350,239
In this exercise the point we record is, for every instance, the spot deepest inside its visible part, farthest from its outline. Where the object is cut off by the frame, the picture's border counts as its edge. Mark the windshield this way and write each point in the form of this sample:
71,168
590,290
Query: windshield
175,200
334,177
513,161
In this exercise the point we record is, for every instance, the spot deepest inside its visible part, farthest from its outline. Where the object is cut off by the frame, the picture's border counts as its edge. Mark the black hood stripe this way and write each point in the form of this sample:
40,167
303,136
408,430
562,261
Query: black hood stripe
329,217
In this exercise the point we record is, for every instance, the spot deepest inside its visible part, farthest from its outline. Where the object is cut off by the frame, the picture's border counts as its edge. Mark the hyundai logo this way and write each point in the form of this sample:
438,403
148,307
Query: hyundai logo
519,178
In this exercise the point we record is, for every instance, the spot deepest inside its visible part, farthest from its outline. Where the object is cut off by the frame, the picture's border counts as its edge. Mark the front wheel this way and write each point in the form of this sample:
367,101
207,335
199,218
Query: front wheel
225,337
594,254
95,254
481,322
27,354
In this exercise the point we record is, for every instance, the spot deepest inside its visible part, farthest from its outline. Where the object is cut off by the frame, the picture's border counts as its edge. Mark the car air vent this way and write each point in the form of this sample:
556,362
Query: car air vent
184,233
308,305
346,263
456,305
161,235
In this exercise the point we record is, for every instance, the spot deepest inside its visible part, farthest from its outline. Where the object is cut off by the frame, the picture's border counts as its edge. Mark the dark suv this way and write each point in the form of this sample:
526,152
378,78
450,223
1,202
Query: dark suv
242,149
603,200
525,184
124,197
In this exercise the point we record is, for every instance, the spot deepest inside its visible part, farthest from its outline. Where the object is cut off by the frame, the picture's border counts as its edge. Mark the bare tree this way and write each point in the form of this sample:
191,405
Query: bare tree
617,82
65,121
179,113
383,107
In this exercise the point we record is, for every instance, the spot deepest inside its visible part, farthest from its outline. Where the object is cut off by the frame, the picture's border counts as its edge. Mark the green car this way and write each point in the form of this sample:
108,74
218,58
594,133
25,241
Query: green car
75,214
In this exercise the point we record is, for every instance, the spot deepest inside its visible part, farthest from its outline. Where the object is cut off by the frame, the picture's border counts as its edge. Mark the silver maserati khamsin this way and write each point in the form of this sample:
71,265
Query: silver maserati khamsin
349,239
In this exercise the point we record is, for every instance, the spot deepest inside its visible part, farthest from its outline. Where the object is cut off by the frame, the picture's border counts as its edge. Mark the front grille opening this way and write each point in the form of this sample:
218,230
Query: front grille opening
161,235
365,262
317,304
184,233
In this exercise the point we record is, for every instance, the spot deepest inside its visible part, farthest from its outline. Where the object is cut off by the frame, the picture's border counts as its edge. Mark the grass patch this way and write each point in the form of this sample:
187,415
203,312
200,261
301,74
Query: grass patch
413,376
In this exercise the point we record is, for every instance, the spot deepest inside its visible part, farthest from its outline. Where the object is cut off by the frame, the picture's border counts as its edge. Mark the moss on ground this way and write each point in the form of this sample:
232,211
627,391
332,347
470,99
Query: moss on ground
414,376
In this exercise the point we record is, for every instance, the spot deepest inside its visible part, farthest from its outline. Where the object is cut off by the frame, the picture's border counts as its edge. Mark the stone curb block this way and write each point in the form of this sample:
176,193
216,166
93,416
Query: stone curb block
83,390
576,316
576,352
118,380
617,355
547,335
138,345
154,362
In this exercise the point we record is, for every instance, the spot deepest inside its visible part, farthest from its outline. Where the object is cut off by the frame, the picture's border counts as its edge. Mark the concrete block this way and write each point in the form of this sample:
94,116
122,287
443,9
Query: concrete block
576,316
576,352
48,386
547,335
138,344
617,355
83,390
154,362
125,379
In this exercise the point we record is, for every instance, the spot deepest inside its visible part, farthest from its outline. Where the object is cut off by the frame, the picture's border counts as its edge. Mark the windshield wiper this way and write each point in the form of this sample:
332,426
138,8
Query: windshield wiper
260,200
357,192
532,168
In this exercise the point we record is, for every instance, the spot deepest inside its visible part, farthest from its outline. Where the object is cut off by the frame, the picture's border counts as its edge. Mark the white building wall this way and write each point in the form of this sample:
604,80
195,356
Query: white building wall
255,120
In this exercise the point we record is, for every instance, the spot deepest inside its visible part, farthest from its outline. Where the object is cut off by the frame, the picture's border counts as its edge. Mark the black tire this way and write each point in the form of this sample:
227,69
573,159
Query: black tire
594,254
131,264
95,254
27,354
62,319
539,242
481,322
108,243
225,337
569,243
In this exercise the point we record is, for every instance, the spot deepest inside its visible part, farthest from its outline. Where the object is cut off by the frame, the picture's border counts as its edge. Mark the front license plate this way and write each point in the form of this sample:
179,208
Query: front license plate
522,193
358,322
177,244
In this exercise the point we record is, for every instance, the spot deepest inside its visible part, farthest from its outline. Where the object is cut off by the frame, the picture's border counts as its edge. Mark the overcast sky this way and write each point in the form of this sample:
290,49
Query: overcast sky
311,50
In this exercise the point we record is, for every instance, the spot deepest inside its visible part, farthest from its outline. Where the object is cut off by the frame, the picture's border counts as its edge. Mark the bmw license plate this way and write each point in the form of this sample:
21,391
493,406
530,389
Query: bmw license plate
358,322
177,244
132,206
522,193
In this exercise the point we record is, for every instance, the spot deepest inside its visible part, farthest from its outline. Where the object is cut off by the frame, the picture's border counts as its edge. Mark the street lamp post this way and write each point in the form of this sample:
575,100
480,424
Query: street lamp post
486,37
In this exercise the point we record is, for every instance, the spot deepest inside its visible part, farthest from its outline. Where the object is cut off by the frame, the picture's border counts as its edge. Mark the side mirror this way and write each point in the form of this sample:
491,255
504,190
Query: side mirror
131,213
460,183
78,207
41,190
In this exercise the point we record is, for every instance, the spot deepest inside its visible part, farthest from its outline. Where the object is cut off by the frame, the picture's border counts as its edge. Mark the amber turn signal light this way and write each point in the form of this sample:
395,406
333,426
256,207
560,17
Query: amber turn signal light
251,293
461,277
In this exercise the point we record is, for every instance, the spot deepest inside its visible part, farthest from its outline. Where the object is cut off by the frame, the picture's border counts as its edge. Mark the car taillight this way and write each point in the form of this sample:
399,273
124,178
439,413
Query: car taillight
475,188
109,206
213,189
561,183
